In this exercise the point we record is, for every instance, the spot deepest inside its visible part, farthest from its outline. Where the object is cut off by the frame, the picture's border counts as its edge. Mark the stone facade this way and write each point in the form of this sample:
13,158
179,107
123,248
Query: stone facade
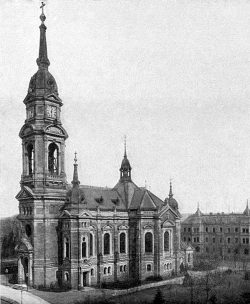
219,234
80,234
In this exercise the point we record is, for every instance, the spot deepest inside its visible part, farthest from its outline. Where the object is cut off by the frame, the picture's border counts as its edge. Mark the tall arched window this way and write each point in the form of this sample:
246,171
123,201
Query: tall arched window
53,158
148,242
84,248
106,245
30,151
90,244
166,241
66,247
123,242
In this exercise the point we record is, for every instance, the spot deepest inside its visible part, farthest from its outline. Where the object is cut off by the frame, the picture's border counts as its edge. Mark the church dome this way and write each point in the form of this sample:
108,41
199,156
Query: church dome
173,203
42,83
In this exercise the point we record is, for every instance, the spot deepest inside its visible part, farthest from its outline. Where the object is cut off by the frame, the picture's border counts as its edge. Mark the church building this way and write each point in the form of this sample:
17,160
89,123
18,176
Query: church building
85,235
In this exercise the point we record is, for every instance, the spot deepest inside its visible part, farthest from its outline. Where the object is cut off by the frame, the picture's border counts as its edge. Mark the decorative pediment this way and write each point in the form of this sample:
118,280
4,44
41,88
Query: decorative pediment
65,214
25,193
107,227
24,246
56,130
168,213
85,214
168,223
26,130
148,226
123,227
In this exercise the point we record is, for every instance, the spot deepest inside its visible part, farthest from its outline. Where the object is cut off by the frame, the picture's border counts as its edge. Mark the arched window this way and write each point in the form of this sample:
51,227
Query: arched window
30,151
66,247
66,276
246,251
105,270
53,158
109,269
90,244
123,242
106,244
189,258
148,242
149,267
166,241
84,248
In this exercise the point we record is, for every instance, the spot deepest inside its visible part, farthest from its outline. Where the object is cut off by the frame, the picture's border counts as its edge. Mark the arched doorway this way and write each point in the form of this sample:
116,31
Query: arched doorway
25,261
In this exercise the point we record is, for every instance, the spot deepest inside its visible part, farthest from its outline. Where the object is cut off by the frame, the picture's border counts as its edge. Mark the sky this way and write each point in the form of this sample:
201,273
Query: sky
173,76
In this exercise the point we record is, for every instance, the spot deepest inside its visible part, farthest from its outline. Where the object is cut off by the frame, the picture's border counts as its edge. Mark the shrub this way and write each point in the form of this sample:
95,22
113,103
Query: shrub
158,297
247,275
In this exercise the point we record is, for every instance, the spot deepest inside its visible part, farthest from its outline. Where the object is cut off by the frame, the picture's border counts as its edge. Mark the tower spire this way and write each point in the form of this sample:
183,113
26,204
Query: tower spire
125,146
42,60
75,182
170,189
125,170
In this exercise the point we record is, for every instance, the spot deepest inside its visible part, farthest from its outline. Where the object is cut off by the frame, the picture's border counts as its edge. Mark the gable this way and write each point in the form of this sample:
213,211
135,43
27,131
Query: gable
25,193
65,214
168,213
147,202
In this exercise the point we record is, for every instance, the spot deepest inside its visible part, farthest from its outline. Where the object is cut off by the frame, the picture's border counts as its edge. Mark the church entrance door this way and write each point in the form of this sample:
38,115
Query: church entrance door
85,278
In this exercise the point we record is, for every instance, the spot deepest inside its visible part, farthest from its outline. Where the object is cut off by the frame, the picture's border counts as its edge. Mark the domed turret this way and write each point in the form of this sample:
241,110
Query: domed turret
125,170
170,199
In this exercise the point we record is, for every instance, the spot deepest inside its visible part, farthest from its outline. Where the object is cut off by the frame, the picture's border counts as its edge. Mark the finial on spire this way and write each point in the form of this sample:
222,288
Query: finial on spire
42,16
75,181
198,205
42,60
125,146
170,189
75,159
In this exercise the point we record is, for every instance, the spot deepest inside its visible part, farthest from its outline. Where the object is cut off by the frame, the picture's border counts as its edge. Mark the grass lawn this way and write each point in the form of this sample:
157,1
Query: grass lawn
224,289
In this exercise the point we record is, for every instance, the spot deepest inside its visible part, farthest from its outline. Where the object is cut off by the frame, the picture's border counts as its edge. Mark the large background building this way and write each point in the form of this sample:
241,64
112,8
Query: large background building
85,235
224,235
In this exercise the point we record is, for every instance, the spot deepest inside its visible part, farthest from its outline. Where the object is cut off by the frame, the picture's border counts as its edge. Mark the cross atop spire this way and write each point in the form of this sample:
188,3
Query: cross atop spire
42,60
42,15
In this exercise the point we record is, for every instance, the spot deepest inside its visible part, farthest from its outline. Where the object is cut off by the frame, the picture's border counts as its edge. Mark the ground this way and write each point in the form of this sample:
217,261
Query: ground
222,289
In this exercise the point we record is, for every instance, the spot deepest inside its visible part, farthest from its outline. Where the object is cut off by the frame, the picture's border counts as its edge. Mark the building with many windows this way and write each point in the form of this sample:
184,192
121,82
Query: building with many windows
220,234
85,235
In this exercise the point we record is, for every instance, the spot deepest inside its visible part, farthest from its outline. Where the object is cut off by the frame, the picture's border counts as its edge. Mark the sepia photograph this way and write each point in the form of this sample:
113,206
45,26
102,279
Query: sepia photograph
125,151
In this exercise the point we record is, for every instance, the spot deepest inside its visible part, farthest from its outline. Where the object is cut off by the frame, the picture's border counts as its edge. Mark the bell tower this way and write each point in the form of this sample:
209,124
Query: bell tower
43,179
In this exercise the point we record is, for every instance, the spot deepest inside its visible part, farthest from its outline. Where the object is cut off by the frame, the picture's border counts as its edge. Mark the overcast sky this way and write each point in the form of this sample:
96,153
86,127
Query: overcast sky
174,76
